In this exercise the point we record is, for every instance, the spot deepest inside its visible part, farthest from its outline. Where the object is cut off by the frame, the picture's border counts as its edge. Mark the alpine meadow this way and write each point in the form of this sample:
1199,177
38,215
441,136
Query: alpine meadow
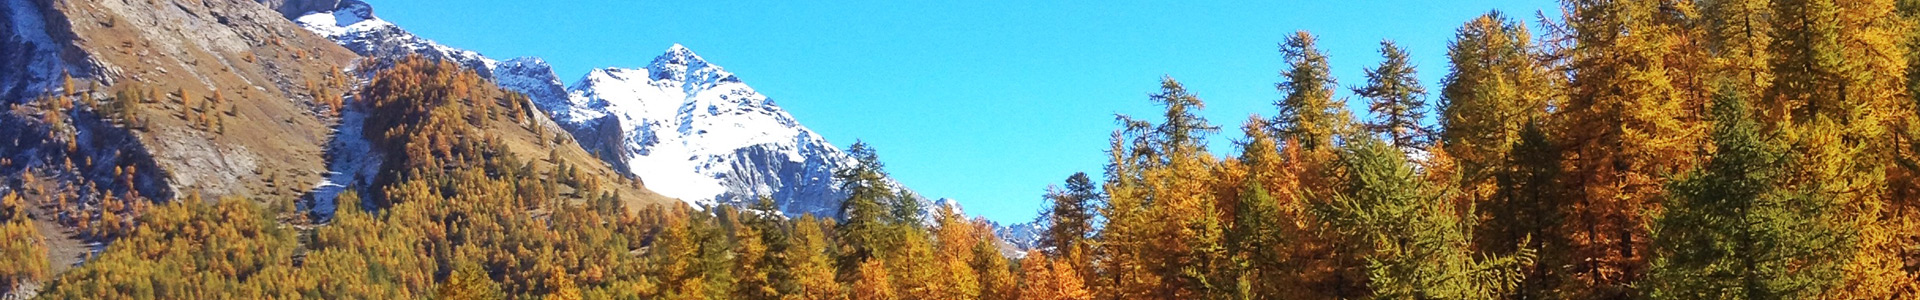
1591,150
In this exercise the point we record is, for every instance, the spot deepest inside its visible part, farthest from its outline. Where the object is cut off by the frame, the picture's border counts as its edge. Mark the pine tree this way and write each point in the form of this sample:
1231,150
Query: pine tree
1070,220
1733,230
1525,212
1415,246
867,233
1397,100
1308,114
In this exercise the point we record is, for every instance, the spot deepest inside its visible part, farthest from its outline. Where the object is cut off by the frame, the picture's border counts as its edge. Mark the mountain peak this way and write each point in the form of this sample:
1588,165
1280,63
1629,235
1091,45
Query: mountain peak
677,55
680,64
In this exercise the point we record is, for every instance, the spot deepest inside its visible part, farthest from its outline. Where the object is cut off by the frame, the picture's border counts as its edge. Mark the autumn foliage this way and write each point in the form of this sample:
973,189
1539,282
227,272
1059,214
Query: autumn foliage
1630,150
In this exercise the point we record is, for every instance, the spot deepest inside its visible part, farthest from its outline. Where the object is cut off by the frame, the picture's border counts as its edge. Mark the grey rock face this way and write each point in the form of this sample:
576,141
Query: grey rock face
686,127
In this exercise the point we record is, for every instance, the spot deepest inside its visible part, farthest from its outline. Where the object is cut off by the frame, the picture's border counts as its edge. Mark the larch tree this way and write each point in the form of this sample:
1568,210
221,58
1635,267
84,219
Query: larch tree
1738,33
1309,114
871,282
1628,108
1162,233
1050,280
754,259
1267,235
1839,68
1904,178
1525,212
997,281
1070,221
1396,99
954,256
23,255
813,263
1496,87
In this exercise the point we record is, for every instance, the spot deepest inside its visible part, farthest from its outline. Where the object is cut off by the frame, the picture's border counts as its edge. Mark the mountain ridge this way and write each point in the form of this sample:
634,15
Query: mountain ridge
733,144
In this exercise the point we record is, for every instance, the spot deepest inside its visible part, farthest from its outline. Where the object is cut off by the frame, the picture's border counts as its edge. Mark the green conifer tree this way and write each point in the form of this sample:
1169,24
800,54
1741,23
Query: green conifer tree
1396,99
1309,115
1734,230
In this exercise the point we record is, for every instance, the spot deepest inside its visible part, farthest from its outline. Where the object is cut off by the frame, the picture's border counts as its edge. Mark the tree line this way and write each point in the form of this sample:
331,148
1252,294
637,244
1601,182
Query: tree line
1729,149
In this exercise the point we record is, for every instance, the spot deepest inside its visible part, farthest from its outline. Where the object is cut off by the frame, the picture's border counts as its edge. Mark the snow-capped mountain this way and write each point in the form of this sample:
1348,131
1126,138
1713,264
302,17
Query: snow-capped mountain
351,24
686,127
1022,235
692,130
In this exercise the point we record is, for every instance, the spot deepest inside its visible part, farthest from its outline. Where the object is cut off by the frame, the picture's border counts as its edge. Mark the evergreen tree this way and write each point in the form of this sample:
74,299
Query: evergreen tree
867,233
1733,230
1397,100
1070,220
1415,246
1308,114
1525,213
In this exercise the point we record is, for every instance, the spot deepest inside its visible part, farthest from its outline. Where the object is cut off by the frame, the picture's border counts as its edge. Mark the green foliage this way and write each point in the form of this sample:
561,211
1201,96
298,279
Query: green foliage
1731,229
1396,99
1308,114
1414,244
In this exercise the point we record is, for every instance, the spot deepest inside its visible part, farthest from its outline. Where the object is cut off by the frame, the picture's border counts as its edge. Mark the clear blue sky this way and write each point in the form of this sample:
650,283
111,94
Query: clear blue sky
986,101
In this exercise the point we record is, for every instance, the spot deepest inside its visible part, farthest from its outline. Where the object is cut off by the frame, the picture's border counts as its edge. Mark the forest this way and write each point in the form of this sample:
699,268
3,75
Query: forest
1710,149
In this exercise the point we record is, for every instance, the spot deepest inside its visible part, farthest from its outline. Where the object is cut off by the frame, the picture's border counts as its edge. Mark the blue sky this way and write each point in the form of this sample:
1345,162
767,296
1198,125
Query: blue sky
985,101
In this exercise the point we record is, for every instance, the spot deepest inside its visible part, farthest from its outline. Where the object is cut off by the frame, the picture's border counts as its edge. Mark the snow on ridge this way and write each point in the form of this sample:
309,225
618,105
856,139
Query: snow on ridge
30,32
687,128
686,120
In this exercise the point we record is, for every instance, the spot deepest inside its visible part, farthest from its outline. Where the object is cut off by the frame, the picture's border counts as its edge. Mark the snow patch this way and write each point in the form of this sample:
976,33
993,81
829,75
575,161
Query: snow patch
351,162
44,65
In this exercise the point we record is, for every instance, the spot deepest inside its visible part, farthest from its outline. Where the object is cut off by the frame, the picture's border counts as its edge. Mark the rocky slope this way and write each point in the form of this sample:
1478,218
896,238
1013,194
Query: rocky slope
686,127
226,107
692,126
263,71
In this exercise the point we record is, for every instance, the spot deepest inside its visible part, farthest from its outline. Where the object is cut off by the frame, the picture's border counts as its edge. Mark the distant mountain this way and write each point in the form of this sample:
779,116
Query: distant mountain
1021,235
686,127
700,134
